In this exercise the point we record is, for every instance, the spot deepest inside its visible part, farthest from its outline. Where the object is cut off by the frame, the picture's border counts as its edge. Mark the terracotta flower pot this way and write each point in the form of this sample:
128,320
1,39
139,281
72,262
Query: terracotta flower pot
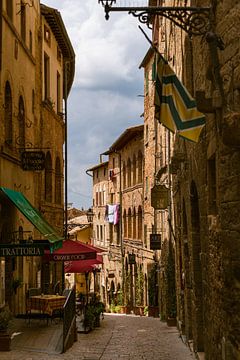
171,322
5,341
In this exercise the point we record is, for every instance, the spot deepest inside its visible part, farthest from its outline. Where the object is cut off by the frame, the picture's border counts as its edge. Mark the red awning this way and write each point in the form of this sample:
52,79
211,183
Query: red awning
99,250
82,266
72,251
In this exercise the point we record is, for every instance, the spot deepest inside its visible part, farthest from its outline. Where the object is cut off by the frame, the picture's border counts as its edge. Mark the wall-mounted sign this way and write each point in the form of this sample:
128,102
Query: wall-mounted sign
131,259
20,250
72,257
33,160
155,241
159,197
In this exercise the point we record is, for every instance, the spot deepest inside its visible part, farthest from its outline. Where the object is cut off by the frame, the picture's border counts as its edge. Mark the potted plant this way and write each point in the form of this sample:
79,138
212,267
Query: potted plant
5,338
153,308
99,309
89,318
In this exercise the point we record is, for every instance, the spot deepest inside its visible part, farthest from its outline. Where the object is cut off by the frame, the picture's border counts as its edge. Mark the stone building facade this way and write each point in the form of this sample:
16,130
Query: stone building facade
205,185
128,261
157,152
100,230
35,49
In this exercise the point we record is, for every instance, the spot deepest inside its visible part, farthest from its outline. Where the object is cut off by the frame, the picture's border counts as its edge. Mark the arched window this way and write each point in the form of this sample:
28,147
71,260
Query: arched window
140,166
125,224
134,224
48,177
58,182
8,114
129,223
124,175
129,172
97,196
23,20
104,195
21,122
100,195
134,166
20,233
139,235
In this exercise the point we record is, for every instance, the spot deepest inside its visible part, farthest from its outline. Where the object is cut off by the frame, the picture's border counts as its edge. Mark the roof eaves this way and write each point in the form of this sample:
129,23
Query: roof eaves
147,57
125,137
95,167
54,19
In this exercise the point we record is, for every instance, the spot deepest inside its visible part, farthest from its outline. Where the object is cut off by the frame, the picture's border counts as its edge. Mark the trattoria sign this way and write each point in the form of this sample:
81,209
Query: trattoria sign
20,250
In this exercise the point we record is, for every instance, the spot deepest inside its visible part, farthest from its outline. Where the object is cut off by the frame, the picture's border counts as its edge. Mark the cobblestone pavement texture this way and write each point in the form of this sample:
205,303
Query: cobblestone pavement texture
123,337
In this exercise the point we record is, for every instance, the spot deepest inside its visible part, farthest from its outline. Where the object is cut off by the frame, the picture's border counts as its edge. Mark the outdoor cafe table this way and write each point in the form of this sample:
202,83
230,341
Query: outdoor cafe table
46,304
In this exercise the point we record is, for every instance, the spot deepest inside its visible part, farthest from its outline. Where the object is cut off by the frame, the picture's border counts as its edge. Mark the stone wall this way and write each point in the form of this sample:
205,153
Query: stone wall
208,180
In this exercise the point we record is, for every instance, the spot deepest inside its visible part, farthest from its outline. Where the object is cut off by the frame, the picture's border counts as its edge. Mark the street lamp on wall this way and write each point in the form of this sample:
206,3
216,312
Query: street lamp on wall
193,20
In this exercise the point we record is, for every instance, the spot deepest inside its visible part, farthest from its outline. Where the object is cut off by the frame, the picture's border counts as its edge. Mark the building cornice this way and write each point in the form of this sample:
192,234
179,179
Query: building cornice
124,138
54,20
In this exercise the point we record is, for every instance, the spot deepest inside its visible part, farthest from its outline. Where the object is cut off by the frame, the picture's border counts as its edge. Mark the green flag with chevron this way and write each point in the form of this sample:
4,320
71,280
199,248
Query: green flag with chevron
174,106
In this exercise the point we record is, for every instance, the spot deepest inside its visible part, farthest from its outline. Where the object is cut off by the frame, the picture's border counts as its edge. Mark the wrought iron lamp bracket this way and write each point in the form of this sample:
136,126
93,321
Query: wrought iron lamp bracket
193,20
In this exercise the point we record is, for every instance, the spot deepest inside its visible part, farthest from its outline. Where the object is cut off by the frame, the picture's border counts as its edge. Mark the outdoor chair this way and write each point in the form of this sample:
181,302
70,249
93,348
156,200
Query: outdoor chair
59,313
66,292
33,292
56,289
31,313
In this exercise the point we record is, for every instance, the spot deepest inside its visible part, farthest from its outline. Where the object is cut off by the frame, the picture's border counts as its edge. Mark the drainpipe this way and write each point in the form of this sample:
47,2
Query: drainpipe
66,165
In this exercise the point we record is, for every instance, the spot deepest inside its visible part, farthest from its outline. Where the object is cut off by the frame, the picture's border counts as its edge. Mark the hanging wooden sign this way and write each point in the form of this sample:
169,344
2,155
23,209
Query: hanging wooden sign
159,197
155,241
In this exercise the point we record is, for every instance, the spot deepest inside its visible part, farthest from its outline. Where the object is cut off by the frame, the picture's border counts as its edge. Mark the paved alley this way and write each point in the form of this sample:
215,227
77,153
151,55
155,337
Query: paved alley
125,337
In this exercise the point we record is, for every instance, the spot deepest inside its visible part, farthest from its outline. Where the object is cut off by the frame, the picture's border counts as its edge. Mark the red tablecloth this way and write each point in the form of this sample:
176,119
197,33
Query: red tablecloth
46,304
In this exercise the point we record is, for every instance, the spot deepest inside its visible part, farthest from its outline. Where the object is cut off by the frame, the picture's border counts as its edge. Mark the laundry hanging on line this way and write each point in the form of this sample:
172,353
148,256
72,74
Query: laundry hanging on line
112,213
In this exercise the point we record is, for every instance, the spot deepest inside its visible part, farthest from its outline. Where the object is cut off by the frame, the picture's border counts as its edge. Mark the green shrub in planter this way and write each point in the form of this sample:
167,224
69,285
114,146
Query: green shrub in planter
5,317
145,311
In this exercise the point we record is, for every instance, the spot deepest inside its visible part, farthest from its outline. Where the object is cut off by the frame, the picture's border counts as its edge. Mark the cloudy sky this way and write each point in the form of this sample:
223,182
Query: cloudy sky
104,99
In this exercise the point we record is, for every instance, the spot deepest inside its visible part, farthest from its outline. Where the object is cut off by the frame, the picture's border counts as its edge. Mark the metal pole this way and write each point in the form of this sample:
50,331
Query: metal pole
65,168
66,151
169,185
86,278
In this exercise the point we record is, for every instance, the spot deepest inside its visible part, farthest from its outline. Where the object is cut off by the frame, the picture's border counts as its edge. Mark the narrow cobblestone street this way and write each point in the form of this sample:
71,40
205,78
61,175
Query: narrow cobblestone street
119,337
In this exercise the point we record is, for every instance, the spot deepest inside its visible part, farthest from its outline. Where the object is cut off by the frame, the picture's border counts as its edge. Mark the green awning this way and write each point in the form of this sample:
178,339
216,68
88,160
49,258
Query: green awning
35,217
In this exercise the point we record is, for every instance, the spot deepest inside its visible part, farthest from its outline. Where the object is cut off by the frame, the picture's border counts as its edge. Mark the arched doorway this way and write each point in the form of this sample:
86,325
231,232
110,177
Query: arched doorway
186,277
112,293
197,310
